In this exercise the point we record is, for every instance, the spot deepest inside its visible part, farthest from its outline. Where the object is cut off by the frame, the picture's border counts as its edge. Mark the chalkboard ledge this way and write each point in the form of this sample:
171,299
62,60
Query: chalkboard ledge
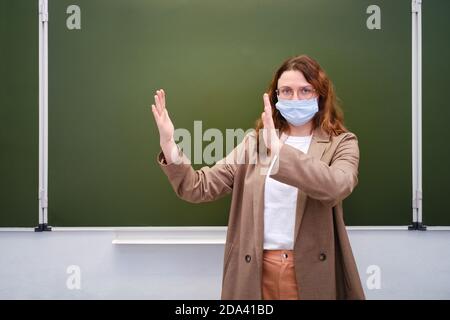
171,235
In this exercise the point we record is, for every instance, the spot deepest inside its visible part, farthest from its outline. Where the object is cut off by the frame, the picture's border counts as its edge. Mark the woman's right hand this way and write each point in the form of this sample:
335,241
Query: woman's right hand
165,126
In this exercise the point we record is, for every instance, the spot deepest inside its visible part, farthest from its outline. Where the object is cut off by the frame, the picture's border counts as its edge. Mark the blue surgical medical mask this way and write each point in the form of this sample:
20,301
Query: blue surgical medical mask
298,112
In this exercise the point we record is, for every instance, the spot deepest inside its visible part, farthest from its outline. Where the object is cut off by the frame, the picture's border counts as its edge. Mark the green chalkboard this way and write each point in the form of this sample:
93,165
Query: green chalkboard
19,113
215,60
435,110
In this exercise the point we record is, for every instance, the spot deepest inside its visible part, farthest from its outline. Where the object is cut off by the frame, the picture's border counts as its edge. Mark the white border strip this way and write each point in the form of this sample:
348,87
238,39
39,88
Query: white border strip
438,228
43,111
377,228
143,229
416,76
17,229
184,229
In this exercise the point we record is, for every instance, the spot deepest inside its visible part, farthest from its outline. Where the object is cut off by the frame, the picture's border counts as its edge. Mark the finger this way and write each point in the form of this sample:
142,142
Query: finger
159,94
267,105
158,105
154,109
266,120
268,111
263,118
155,114
163,98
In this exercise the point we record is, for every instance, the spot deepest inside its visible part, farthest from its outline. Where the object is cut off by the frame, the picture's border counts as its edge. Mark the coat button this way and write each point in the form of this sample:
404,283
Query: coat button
248,258
322,257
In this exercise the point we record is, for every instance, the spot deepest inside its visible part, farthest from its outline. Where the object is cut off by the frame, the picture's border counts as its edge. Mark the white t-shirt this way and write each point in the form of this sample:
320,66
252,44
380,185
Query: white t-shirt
280,203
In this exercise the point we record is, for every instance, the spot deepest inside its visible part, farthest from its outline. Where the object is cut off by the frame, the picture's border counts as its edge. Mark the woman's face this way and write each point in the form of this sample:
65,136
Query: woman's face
299,88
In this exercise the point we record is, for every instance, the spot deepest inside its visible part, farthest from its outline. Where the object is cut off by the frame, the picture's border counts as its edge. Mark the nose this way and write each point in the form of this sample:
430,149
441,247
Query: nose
297,95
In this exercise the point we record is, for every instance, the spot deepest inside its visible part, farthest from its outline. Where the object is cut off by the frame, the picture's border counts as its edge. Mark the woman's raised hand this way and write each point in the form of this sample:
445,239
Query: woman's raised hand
165,128
165,125
270,136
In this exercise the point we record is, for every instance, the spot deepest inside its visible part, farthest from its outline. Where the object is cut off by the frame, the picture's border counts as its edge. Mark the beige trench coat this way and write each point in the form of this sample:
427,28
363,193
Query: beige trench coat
324,263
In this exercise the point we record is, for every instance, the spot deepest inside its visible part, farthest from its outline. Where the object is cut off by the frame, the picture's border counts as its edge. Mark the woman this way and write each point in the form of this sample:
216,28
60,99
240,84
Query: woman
286,236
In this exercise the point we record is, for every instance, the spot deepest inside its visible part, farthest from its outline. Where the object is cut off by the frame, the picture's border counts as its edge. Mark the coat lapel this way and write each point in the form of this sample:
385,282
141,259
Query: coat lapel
316,149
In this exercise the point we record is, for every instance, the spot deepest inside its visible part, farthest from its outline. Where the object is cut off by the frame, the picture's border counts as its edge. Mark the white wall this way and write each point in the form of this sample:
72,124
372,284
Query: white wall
414,265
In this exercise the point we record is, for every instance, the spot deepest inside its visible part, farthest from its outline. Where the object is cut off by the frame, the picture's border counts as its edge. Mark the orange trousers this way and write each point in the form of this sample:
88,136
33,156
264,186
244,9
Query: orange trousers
278,280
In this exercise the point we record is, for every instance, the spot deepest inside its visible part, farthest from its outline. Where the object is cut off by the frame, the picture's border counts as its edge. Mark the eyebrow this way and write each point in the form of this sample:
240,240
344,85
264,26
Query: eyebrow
308,85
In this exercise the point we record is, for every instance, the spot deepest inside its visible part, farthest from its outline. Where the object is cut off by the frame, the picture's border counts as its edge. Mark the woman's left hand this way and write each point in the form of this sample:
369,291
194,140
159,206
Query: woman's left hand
270,136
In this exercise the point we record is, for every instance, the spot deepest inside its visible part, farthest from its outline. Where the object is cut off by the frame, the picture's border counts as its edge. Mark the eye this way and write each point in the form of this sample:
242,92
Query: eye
307,90
286,91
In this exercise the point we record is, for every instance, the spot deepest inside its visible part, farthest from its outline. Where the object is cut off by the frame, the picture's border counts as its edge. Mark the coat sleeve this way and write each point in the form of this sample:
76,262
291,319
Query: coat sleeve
207,183
327,183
